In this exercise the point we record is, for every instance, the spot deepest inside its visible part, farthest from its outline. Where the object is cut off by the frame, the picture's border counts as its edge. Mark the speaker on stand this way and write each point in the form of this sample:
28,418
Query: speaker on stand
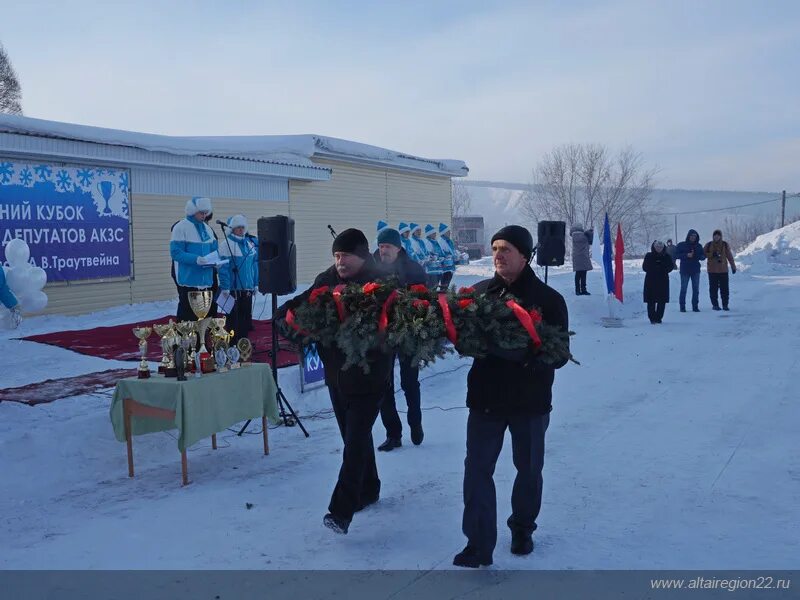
277,276
551,246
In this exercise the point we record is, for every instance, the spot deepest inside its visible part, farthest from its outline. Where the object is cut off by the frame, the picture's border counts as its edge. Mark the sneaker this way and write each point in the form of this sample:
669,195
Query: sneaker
336,524
521,543
390,444
715,307
469,558
417,435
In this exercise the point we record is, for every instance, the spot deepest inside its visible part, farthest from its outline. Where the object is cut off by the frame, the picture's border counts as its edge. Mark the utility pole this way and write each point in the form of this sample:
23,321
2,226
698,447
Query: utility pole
676,228
783,208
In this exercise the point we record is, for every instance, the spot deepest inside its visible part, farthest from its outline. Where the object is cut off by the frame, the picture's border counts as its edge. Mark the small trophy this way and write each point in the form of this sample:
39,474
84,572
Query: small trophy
142,333
220,357
245,350
186,329
233,357
200,303
162,330
168,344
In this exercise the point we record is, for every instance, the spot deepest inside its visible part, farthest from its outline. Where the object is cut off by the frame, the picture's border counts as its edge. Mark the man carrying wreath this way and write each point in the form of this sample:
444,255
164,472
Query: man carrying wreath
355,396
508,390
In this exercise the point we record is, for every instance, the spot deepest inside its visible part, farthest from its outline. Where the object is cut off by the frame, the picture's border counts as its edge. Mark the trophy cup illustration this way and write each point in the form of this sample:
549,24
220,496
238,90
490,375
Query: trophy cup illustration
142,333
106,189
200,303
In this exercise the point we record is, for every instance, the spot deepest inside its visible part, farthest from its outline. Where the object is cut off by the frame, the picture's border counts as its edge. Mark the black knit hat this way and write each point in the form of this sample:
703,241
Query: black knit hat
352,241
517,236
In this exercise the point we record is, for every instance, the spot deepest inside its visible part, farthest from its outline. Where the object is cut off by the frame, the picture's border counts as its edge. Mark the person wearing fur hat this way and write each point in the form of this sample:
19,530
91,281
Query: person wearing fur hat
191,241
449,253
433,266
581,261
508,390
719,256
394,262
657,266
239,277
356,396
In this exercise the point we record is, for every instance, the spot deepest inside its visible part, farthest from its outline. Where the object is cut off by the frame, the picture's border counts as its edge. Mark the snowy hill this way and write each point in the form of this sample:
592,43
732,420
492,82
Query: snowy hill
773,251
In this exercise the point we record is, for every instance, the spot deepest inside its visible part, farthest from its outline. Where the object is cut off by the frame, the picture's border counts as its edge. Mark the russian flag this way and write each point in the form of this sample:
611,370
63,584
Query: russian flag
619,252
608,269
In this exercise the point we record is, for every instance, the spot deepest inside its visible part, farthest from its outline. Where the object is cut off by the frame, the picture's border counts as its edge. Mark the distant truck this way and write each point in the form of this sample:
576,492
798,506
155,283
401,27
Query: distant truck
469,236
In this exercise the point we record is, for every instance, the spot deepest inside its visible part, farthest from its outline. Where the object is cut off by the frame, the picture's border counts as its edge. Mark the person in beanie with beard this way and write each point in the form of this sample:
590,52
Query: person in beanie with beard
191,241
508,390
356,396
719,256
394,262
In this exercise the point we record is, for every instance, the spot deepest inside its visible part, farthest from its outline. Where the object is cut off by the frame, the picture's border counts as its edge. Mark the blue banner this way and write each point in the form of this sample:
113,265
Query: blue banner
313,369
74,219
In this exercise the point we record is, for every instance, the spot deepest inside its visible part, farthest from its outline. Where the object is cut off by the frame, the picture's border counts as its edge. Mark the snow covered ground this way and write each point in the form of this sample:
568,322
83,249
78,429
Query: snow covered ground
672,446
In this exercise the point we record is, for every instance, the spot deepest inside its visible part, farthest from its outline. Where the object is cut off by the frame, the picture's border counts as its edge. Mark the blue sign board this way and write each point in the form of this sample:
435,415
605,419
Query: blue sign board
311,368
76,220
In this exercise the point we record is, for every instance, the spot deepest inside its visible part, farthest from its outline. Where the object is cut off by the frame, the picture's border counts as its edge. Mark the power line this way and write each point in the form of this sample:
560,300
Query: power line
697,212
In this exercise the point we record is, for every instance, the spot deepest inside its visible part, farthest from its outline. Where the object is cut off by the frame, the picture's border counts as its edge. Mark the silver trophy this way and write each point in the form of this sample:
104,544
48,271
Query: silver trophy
233,357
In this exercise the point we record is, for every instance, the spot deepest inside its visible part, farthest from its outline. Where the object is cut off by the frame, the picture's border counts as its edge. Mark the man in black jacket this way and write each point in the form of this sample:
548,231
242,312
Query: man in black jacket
508,390
394,262
355,396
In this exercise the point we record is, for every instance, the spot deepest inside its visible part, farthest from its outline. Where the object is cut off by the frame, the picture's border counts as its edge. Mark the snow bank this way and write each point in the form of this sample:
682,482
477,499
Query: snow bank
773,251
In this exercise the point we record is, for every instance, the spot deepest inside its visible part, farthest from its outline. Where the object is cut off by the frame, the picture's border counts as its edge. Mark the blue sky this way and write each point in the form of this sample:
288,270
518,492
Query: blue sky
708,91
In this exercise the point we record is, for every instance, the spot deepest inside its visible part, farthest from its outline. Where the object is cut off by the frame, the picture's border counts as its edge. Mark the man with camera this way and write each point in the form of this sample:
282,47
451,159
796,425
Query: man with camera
719,255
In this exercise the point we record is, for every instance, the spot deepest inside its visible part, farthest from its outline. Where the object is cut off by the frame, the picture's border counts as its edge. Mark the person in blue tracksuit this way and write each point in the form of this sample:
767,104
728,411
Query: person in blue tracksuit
450,255
690,253
433,266
192,239
239,277
405,238
419,252
9,300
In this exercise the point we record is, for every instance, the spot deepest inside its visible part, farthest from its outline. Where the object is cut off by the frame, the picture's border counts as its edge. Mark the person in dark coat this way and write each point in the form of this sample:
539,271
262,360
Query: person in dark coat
394,262
670,250
508,390
690,253
581,261
657,266
356,396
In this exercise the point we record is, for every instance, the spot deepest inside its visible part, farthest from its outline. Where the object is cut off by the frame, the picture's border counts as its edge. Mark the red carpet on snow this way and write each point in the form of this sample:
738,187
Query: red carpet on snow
43,392
119,343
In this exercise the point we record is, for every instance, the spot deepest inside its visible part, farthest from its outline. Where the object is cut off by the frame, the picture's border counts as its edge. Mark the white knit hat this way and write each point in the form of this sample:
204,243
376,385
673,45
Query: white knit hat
197,204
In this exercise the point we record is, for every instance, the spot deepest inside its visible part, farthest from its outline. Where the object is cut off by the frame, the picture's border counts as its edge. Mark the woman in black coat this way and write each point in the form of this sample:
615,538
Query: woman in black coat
657,266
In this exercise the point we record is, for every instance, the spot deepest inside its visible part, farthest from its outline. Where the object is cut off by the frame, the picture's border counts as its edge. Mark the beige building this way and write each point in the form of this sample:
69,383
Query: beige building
317,181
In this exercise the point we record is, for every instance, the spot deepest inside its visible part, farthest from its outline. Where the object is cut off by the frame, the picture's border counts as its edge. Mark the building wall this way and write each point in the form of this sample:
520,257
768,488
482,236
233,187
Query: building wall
358,196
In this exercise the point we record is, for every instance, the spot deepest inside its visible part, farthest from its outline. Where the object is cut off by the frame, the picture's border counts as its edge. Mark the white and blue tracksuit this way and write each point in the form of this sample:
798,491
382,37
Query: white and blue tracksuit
449,253
190,239
420,254
7,297
435,256
244,260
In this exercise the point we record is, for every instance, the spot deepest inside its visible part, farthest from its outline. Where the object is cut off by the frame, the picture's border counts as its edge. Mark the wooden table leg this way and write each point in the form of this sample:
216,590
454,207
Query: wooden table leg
126,412
264,429
214,441
184,468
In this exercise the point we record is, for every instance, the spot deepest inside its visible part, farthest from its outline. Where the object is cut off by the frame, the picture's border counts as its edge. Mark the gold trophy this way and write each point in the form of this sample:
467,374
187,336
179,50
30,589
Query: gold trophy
163,330
168,343
245,350
142,333
186,329
200,303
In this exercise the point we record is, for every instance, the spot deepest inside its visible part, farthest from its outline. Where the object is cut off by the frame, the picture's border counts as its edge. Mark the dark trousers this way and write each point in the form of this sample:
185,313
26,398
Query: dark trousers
447,277
485,435
655,310
409,381
718,283
580,281
240,320
185,312
695,279
358,481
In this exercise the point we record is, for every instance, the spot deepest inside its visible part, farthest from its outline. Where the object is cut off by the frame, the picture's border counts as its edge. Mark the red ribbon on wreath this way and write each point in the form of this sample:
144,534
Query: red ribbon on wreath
383,320
291,323
337,299
525,319
536,316
449,326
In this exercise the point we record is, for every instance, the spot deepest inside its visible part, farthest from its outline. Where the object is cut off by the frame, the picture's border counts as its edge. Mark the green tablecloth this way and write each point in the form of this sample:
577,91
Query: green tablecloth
203,405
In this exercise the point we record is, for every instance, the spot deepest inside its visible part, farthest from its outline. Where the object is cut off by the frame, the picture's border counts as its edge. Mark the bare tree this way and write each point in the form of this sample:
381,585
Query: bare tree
740,231
462,201
10,91
579,183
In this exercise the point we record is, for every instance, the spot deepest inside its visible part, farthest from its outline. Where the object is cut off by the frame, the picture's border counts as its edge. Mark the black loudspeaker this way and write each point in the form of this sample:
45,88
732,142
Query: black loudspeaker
277,256
551,250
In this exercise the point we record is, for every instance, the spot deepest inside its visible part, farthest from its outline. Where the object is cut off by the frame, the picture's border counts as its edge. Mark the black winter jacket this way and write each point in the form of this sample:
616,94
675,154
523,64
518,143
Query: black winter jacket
352,381
407,271
657,267
505,386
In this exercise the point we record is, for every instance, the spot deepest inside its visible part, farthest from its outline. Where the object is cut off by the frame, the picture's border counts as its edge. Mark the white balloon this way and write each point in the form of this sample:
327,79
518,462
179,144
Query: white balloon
16,280
17,253
38,278
33,302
